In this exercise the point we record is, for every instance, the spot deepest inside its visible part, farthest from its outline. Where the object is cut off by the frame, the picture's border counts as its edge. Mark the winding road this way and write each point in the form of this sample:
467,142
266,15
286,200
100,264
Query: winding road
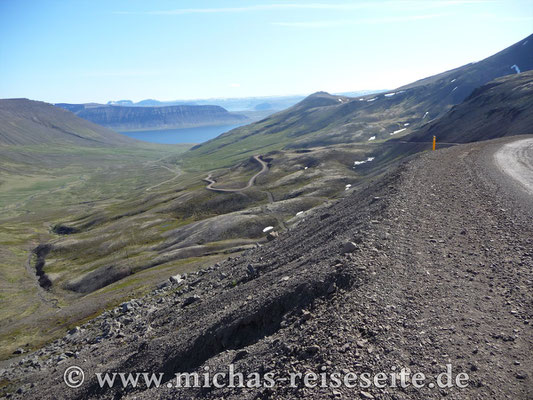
177,173
251,182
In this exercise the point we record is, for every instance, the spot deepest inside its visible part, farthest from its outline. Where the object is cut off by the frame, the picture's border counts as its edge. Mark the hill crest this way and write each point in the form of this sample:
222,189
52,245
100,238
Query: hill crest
29,122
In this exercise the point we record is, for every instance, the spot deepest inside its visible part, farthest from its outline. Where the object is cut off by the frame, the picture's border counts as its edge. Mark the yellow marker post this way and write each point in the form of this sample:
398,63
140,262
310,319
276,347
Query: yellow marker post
434,142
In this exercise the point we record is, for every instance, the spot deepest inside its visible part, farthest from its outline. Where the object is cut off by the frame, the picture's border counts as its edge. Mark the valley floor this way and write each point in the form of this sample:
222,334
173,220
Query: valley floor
440,273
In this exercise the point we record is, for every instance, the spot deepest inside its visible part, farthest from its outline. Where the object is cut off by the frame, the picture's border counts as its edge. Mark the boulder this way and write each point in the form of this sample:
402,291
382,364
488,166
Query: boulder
176,279
349,247
272,235
190,300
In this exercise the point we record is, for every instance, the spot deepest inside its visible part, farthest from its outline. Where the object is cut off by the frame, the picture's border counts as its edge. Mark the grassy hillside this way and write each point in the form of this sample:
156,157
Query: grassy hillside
55,166
105,222
323,119
27,122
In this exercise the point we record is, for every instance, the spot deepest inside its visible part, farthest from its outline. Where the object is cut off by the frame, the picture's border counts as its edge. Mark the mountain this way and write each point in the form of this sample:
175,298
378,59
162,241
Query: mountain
231,104
500,108
324,119
125,118
238,104
27,122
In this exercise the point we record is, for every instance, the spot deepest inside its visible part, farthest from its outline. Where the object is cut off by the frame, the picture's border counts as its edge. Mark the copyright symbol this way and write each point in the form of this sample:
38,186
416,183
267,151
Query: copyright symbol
74,376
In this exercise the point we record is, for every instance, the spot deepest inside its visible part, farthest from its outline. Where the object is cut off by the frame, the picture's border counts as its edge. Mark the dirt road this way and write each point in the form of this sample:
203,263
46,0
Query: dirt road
516,160
251,181
175,171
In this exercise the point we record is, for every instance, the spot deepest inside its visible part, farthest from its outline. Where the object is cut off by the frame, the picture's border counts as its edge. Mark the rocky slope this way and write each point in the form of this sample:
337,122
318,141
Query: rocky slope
499,108
124,118
427,266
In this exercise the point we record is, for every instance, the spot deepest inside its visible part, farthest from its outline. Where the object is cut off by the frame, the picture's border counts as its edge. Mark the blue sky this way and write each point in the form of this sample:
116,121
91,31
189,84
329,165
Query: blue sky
81,51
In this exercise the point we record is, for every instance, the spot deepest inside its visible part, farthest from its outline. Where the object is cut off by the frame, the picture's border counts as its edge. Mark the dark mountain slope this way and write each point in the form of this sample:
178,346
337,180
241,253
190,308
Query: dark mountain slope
27,122
323,119
475,74
500,108
139,118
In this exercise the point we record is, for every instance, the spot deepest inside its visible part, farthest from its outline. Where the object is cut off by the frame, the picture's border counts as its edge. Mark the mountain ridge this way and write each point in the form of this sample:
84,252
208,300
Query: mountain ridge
129,118
29,122
235,104
499,108
324,119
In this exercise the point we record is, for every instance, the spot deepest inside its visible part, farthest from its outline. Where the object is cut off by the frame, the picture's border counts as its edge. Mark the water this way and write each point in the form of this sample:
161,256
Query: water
185,135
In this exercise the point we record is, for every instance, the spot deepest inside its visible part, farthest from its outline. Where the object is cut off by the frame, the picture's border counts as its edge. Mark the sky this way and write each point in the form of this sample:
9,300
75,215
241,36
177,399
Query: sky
101,50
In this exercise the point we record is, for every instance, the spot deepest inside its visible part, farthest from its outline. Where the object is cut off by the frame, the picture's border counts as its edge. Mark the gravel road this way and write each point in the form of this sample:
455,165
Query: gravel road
251,181
516,160
441,273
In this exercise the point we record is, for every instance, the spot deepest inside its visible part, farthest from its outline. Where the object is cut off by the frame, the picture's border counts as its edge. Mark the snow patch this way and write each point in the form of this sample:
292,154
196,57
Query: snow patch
390,94
453,80
268,228
406,124
299,213
369,159
372,138
398,131
516,68
523,44
370,100
425,115
348,186
455,88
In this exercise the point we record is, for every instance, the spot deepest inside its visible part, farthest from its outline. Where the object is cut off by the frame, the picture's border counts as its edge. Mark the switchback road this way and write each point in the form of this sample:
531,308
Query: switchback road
251,182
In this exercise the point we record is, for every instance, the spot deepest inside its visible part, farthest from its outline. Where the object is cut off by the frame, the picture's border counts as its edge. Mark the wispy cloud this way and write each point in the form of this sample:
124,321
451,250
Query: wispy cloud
256,7
119,73
404,18
379,20
402,4
432,4
314,24
503,18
